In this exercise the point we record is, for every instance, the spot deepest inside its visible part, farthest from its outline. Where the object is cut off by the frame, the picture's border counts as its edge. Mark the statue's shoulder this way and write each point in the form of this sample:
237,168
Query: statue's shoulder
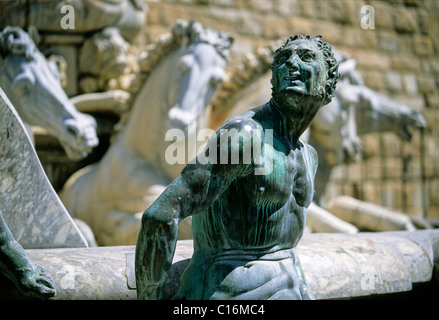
244,121
311,154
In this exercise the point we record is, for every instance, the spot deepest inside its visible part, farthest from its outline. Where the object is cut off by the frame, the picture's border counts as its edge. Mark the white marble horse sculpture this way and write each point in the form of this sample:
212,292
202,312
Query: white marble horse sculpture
33,85
111,195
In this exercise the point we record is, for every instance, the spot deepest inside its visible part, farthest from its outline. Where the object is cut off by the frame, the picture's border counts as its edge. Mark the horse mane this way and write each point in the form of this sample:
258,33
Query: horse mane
252,67
183,33
16,41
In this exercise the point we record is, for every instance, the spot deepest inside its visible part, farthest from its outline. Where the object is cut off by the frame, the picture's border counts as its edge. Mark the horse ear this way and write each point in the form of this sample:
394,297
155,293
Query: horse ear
33,33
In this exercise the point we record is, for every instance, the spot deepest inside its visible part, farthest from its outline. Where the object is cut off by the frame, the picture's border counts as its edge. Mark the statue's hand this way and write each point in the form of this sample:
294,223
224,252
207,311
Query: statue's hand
35,282
353,149
120,101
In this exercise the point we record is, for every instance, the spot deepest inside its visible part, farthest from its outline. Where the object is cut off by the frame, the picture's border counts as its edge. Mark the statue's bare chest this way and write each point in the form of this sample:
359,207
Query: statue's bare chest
288,178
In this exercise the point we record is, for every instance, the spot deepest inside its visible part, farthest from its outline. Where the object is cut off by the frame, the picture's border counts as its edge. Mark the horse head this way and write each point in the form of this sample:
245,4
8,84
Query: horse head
33,85
196,72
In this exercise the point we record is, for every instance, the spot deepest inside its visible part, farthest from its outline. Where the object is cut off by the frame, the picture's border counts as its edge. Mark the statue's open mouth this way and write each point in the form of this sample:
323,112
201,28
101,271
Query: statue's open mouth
294,77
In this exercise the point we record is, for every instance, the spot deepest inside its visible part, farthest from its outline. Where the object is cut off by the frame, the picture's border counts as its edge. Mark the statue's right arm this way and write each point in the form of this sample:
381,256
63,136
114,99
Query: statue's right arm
198,186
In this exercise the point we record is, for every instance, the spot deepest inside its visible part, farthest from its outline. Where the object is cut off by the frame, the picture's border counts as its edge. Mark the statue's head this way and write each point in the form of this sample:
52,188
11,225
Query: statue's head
304,68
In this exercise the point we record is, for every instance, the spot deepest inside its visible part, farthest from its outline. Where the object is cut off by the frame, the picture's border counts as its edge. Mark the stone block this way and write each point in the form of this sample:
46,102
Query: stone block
435,42
359,38
372,60
287,8
432,102
412,168
347,188
431,147
427,83
393,168
373,168
338,173
342,12
423,46
355,172
388,41
429,22
374,79
268,21
249,24
394,81
333,189
383,15
414,194
333,32
391,145
223,3
222,18
431,168
405,63
434,192
391,194
415,211
371,191
308,8
260,6
301,25
404,20
70,53
410,84
371,145
433,212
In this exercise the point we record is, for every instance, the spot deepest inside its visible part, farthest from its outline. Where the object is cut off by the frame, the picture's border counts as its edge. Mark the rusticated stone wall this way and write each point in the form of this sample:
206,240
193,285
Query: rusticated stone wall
399,58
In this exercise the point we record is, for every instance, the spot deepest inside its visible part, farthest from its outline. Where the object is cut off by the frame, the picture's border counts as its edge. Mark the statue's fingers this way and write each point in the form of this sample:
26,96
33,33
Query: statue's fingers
45,292
46,281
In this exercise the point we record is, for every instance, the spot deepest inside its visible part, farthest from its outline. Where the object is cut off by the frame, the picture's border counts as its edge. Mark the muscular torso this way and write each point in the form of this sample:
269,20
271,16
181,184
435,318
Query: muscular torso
245,241
262,212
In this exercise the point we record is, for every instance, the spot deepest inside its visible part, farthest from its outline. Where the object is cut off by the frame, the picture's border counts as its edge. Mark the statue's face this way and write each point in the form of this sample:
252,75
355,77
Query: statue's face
299,69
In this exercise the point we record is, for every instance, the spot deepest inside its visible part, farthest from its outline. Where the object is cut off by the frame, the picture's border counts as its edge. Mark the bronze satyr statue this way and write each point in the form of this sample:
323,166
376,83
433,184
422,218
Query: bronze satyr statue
246,224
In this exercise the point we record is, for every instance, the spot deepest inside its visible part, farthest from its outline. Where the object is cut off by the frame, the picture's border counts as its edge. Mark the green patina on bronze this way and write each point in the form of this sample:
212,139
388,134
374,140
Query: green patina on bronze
246,225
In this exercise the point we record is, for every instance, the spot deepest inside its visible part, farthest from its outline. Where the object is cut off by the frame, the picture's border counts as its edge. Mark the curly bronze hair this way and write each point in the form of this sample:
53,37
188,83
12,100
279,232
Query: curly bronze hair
330,62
